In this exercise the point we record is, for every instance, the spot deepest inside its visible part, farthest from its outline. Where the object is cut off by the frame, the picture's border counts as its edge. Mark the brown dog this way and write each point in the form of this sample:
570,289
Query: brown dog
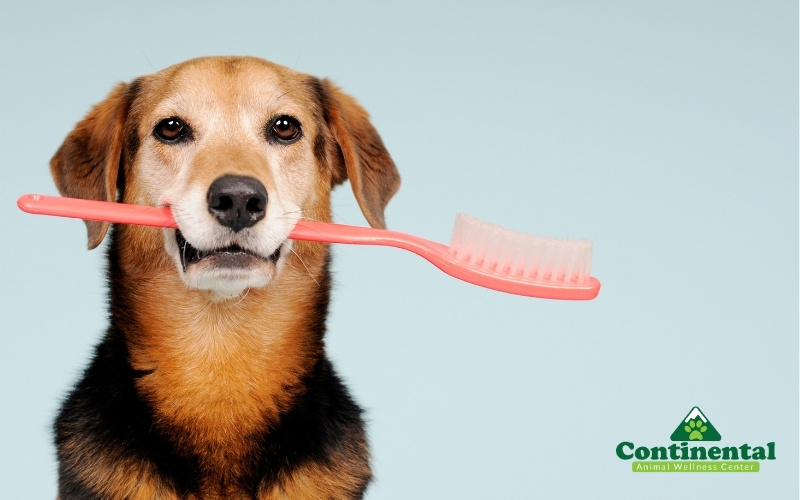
212,381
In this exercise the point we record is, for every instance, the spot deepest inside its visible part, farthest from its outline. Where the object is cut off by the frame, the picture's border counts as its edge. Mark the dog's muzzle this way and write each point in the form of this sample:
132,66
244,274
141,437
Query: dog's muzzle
236,202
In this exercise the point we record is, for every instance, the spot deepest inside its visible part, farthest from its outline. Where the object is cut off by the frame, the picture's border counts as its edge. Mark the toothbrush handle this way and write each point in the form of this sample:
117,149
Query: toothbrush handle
96,210
331,232
162,217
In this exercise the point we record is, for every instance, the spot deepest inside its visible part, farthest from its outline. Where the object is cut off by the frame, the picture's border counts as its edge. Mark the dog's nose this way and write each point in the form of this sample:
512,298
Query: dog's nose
236,201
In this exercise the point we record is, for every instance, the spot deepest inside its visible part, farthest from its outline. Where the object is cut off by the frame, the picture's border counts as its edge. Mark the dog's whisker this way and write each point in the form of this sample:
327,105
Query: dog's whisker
310,274
243,296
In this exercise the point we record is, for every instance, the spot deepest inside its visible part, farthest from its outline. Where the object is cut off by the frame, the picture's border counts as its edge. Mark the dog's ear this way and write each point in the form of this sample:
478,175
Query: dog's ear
87,163
363,159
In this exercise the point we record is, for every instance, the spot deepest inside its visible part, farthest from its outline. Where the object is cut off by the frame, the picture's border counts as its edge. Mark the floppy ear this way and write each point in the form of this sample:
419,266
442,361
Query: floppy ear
364,159
87,163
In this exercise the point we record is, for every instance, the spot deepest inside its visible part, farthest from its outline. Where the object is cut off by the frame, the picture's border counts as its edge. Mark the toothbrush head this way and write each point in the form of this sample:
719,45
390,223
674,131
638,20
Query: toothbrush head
556,264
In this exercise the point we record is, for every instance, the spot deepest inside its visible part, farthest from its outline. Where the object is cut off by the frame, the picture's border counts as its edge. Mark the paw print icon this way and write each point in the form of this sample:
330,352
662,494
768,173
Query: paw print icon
695,429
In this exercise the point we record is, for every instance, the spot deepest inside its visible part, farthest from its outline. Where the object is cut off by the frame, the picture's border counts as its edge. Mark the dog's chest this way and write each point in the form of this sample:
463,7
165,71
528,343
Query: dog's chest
218,378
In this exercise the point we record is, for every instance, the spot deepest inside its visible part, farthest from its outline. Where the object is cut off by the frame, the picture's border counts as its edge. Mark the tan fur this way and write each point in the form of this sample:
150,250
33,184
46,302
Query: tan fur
108,473
221,372
326,481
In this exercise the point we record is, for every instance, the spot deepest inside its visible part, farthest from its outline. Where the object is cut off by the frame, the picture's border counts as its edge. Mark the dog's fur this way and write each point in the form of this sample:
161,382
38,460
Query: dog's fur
212,381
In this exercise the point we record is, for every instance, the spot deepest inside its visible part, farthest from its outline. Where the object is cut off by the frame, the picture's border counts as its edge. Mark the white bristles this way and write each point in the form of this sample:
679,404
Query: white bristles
533,258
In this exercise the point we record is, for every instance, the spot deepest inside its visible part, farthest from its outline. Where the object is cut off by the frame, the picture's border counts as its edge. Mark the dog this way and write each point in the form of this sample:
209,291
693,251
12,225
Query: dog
212,379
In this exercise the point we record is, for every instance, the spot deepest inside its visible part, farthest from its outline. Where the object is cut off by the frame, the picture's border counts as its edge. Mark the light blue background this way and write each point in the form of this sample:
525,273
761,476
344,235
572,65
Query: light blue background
666,132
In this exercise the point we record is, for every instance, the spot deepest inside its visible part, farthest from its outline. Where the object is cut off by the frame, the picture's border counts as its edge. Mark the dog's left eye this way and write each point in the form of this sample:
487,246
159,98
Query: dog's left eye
285,129
171,130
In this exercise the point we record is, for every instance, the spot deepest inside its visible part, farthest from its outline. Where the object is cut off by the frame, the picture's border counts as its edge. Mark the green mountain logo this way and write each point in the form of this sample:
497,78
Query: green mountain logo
695,427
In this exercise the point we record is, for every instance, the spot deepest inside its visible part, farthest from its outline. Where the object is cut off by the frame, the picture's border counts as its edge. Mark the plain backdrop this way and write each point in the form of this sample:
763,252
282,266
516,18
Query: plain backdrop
664,131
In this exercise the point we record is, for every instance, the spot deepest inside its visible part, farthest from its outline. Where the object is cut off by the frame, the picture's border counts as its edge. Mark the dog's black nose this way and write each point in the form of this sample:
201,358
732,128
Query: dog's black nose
236,201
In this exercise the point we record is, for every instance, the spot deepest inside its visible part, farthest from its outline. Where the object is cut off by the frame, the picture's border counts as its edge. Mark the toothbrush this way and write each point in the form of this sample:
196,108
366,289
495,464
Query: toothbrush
479,253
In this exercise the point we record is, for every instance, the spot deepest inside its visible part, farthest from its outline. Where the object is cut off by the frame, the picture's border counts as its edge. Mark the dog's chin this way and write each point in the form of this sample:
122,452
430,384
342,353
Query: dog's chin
226,282
226,272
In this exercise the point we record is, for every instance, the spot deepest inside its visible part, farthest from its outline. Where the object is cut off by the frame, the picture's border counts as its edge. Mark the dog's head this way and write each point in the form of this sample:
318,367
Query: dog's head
240,149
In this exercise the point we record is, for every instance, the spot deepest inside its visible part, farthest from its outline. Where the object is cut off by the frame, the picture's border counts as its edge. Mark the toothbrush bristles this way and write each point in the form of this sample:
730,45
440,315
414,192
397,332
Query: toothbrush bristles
517,255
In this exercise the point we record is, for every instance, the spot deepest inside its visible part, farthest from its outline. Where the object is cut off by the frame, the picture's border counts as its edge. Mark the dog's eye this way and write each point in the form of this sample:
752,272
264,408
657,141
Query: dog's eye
284,129
171,130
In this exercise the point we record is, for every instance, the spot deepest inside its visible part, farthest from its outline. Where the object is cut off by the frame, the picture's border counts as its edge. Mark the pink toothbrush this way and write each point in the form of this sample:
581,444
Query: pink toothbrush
479,253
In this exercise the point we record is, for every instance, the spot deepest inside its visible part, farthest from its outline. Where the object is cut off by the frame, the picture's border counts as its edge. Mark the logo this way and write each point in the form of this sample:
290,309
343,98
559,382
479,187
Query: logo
695,427
687,453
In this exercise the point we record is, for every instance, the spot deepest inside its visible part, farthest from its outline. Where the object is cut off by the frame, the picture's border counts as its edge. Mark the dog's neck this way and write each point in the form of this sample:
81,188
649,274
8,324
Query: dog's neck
219,371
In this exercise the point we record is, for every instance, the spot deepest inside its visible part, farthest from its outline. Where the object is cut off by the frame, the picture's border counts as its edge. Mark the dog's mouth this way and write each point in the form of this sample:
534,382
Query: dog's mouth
230,256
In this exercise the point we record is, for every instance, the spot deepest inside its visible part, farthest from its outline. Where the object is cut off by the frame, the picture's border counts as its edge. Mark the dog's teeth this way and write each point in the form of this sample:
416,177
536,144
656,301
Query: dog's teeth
191,255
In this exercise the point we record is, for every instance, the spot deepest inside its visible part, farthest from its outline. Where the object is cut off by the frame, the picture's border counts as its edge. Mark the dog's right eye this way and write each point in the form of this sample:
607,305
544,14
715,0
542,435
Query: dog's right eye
171,130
